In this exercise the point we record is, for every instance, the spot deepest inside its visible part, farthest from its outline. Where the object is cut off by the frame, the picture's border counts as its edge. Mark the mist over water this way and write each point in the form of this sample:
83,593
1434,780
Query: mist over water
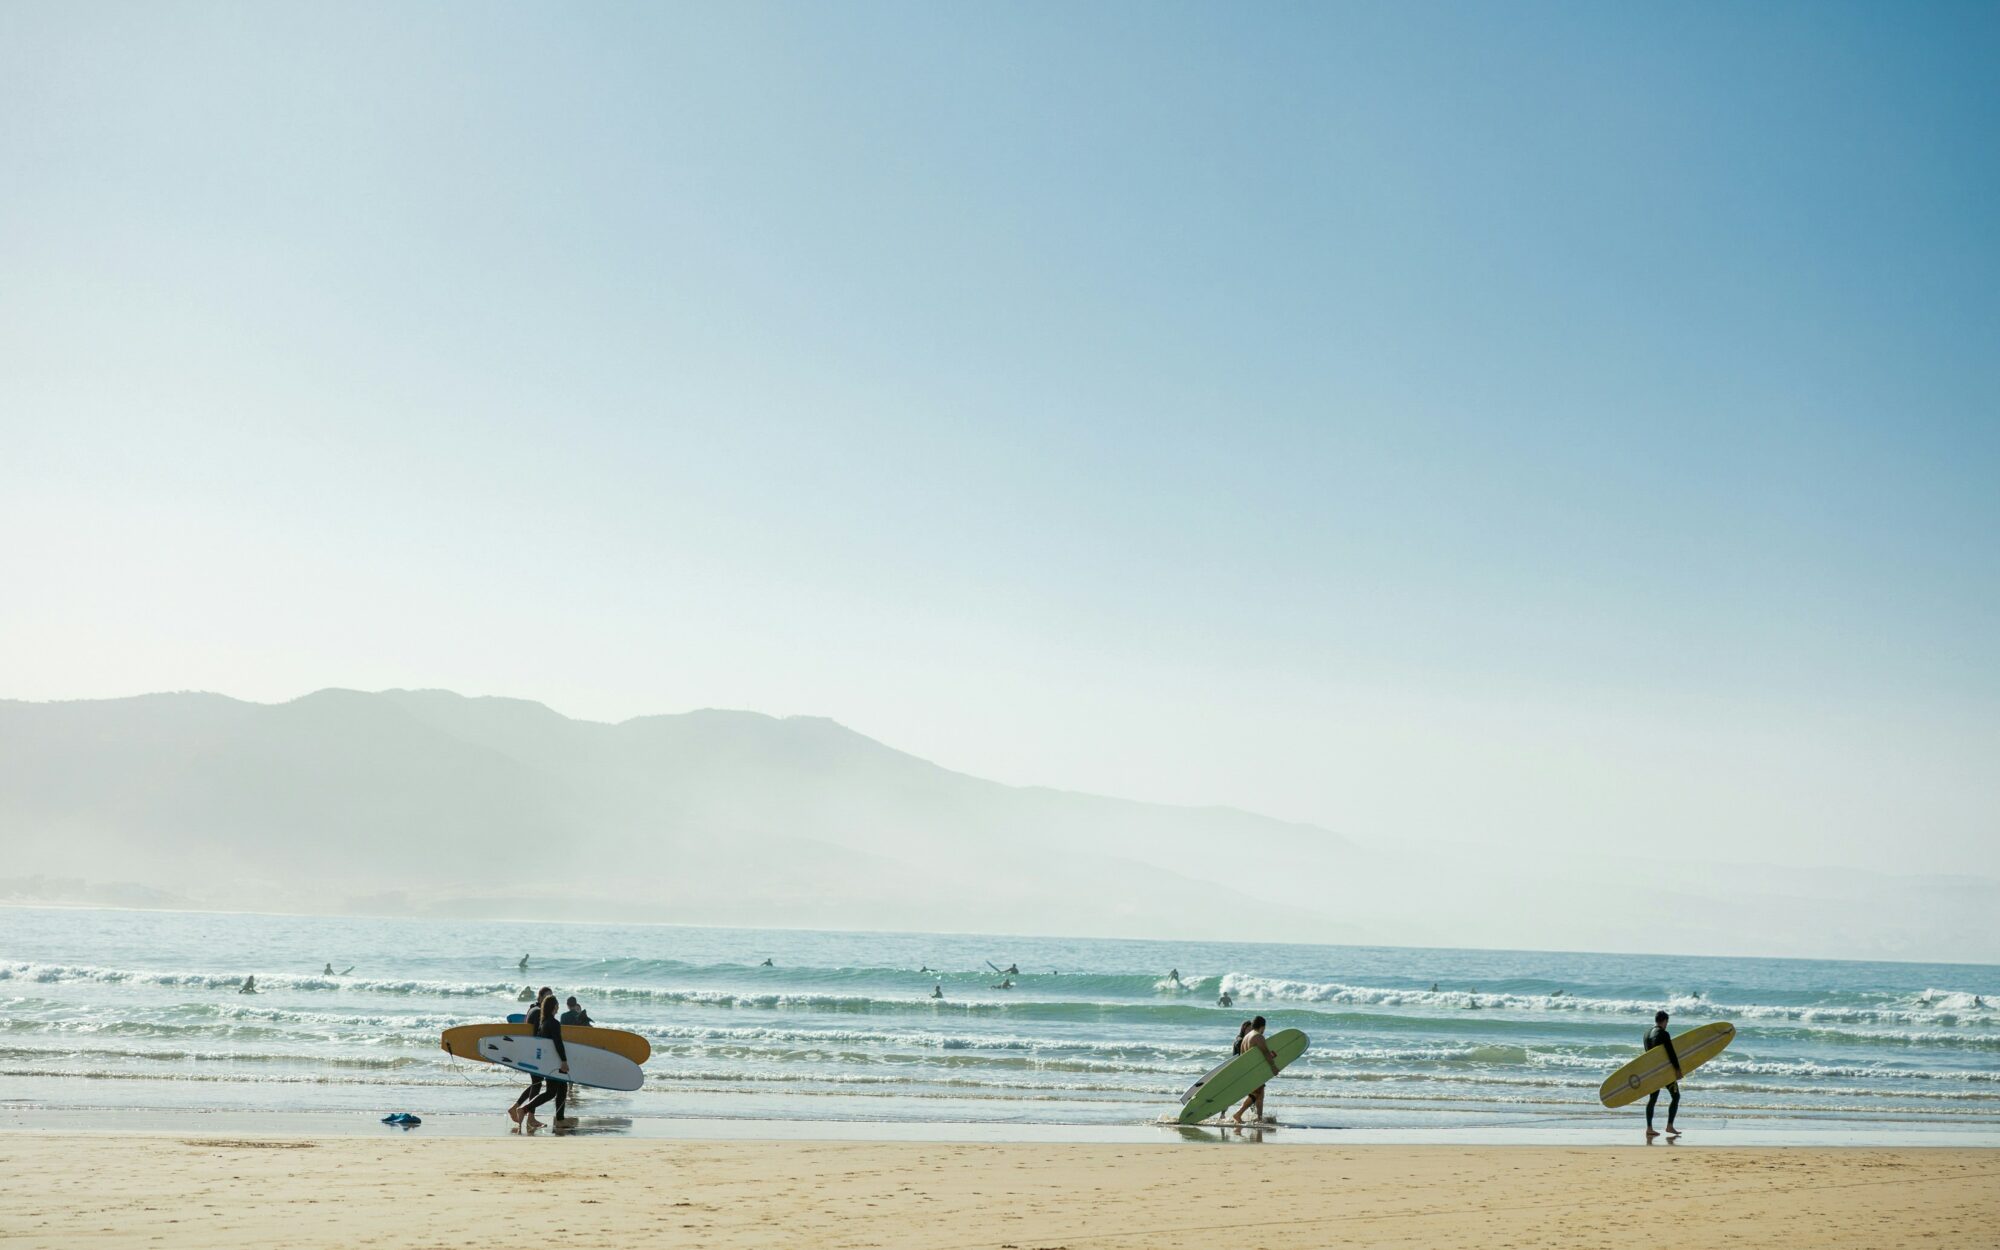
111,1009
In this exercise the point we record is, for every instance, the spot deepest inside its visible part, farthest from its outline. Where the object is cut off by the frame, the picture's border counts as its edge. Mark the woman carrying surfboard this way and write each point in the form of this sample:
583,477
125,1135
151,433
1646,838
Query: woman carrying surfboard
1660,1037
546,1026
1252,1038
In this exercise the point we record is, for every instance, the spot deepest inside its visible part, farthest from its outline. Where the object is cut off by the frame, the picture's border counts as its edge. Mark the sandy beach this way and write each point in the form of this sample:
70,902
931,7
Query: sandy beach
172,1190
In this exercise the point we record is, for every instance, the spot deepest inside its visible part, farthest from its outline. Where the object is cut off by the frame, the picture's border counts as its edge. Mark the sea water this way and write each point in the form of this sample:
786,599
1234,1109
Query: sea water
133,1010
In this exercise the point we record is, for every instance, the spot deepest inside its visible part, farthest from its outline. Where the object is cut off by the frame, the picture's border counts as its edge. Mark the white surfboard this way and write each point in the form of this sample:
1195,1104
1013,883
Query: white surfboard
588,1065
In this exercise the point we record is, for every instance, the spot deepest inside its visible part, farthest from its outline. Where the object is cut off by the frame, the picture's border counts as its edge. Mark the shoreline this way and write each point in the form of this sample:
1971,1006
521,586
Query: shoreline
181,1189
1583,1132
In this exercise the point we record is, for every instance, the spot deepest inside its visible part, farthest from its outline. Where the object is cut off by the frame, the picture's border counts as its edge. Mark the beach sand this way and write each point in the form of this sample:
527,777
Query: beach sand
83,1190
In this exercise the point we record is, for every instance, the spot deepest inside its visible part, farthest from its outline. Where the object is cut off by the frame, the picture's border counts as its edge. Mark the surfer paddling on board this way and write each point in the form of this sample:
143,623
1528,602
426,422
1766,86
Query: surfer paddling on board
1660,1037
1252,1037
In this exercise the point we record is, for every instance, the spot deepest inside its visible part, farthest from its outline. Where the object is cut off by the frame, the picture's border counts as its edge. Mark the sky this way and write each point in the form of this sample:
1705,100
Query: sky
1544,428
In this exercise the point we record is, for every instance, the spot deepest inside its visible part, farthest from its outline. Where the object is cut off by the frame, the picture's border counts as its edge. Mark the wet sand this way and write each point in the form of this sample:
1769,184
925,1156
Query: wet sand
132,1189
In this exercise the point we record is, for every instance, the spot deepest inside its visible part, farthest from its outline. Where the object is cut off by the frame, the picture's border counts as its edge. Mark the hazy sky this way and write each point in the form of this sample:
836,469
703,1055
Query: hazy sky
1556,426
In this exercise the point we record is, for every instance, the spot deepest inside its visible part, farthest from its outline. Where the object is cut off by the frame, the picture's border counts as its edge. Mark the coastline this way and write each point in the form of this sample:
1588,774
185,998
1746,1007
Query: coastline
1580,1132
190,1188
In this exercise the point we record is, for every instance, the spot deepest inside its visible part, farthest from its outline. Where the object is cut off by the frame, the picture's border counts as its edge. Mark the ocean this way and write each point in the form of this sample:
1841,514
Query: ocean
133,1011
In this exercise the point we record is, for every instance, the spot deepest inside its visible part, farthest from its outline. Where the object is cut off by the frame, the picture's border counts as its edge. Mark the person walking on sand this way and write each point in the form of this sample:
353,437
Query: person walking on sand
1251,1038
547,1027
535,1082
1660,1037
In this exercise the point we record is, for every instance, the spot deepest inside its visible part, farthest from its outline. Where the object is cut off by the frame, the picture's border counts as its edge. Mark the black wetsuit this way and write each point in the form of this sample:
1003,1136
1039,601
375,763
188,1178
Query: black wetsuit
1660,1037
578,1017
555,1086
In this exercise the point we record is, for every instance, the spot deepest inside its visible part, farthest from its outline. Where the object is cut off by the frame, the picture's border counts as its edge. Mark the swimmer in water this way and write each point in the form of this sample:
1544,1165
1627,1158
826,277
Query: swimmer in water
249,986
937,991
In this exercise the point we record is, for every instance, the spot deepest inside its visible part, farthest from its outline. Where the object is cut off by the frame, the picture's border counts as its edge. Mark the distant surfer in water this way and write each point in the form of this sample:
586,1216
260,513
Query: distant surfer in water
523,965
767,962
937,991
249,986
1253,1036
1175,976
527,994
1224,1000
1660,1037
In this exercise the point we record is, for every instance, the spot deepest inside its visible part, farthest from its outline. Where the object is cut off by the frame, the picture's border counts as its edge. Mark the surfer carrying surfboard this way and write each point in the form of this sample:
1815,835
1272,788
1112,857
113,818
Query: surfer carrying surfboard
542,1020
1253,1038
1660,1037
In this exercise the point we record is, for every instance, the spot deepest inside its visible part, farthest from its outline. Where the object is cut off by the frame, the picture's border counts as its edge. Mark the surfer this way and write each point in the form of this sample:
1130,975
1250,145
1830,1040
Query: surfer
545,1025
1252,1035
1006,983
1175,976
937,991
766,963
327,971
576,1014
1224,1000
523,965
249,986
1660,1037
527,994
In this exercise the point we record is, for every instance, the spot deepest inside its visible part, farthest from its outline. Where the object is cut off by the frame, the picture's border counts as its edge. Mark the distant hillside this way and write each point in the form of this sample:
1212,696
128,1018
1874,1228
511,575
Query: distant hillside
430,802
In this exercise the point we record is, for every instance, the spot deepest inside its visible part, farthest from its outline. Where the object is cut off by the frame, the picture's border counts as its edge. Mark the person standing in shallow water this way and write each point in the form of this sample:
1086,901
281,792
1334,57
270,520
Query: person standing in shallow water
1251,1037
1660,1037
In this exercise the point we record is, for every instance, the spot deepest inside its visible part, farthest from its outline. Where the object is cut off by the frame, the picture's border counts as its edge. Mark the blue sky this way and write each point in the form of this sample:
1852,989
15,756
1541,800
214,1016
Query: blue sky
1523,424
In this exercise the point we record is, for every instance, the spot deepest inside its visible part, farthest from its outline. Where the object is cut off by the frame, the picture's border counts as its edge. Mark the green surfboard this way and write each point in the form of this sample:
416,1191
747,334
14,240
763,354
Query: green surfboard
1240,1077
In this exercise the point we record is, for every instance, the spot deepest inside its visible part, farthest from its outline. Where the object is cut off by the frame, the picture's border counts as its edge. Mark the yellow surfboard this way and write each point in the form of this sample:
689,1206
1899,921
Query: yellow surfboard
463,1040
1652,1071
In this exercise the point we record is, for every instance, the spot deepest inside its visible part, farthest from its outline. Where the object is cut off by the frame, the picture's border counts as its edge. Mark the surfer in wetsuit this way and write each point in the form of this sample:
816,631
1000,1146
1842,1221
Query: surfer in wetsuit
1253,1036
548,1028
1660,1037
576,1014
1224,1000
937,991
249,986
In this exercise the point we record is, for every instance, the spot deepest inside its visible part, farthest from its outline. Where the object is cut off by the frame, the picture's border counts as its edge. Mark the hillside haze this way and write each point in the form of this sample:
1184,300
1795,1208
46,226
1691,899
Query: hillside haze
428,803
433,803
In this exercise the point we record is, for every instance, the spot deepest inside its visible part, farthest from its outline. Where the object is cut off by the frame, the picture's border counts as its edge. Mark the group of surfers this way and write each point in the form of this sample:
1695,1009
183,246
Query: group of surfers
1250,1036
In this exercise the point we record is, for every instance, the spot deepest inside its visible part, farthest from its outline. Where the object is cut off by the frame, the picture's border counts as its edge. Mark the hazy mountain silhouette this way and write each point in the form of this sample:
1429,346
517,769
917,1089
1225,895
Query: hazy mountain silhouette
432,802
427,802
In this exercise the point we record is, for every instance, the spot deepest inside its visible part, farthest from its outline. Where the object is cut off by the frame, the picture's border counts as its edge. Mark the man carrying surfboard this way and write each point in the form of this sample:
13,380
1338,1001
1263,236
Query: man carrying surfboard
1254,1039
1660,1037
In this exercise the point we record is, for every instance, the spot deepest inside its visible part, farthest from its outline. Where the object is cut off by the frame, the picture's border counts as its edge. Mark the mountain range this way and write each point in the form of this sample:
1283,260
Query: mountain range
425,802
